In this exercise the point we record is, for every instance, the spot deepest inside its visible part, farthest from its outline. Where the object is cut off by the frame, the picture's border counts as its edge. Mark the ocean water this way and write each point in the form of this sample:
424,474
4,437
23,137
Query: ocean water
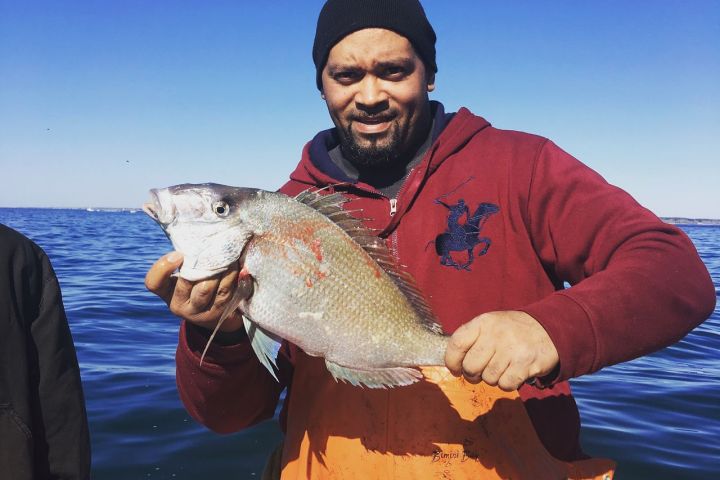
658,416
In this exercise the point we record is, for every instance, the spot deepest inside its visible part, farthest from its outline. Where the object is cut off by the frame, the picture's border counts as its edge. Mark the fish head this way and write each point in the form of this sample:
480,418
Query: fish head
205,222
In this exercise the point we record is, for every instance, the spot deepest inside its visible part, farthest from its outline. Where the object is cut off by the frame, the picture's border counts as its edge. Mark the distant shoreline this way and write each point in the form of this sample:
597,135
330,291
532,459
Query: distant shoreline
690,221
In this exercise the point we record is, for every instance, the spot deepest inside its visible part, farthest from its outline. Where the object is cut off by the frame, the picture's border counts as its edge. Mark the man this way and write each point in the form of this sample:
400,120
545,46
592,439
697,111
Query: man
43,424
491,224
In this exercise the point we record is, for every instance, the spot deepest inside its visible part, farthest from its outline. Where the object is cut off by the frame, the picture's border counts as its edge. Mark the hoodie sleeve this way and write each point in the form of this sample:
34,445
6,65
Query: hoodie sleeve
638,284
231,390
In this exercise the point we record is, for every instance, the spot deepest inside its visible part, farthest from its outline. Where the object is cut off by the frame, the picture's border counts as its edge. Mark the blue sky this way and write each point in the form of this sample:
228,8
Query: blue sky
101,100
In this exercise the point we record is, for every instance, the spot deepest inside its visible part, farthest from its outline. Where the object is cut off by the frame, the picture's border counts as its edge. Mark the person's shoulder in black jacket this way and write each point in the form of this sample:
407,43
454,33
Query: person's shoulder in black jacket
43,423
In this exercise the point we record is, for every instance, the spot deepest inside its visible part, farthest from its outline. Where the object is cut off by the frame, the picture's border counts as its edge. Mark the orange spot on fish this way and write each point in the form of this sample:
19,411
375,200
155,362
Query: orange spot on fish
315,247
308,282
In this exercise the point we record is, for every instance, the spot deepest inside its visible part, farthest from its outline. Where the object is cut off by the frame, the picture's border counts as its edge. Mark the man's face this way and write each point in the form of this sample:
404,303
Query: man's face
376,90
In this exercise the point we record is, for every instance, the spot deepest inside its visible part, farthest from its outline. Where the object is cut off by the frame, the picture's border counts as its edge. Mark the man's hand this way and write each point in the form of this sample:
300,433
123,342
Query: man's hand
201,303
502,349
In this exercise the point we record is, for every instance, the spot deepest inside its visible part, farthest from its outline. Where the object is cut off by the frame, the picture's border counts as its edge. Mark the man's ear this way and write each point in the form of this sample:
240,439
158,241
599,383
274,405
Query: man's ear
431,82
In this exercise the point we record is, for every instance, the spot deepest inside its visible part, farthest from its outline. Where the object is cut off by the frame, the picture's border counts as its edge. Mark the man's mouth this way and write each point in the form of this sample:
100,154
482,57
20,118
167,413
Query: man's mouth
372,125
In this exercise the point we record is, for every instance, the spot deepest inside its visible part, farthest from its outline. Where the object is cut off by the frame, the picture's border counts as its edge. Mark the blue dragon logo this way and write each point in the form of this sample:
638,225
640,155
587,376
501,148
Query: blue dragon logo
463,236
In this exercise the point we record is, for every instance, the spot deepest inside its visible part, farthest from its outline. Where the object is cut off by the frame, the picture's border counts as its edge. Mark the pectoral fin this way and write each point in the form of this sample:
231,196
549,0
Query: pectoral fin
265,345
374,378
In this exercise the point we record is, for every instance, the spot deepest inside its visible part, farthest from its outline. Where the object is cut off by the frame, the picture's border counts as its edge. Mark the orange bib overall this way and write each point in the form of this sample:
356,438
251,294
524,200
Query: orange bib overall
442,427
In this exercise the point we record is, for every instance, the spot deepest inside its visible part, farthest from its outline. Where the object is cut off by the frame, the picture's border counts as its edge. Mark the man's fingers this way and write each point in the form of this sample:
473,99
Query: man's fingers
502,349
460,342
226,287
159,278
215,292
203,293
476,360
512,379
495,369
201,303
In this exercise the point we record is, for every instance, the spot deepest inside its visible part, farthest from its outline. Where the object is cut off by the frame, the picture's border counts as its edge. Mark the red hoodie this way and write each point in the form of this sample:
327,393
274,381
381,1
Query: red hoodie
496,220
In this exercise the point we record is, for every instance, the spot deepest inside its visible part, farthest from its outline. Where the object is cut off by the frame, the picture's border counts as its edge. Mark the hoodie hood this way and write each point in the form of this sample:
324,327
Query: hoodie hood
450,132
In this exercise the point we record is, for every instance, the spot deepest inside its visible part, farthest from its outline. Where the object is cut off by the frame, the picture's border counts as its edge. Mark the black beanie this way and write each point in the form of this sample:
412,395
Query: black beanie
339,18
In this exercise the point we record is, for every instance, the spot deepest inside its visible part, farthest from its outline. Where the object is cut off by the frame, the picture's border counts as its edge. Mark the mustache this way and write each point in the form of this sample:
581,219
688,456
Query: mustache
379,117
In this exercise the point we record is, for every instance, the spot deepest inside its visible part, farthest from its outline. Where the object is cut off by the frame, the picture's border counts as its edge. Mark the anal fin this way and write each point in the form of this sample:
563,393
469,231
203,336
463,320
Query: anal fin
374,378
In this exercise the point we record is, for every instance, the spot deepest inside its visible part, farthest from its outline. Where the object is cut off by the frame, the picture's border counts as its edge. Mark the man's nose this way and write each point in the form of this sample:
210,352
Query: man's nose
371,94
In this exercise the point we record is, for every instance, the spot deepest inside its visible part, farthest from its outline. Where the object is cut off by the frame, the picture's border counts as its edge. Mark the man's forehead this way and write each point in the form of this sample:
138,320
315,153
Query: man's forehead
372,45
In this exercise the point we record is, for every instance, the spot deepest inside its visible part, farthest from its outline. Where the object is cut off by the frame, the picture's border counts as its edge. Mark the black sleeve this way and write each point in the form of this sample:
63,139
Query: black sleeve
60,393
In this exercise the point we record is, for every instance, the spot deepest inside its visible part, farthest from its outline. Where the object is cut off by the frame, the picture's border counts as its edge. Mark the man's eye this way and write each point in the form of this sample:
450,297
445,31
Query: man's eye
346,76
393,73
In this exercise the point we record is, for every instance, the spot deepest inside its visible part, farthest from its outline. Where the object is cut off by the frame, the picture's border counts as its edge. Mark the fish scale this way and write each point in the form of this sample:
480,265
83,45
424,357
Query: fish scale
326,297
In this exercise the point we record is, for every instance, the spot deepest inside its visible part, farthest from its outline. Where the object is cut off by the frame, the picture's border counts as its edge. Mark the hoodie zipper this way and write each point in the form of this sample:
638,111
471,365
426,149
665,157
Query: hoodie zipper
393,201
393,206
393,211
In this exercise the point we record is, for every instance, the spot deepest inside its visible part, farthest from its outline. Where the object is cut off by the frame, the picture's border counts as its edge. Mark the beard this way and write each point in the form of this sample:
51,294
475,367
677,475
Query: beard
373,153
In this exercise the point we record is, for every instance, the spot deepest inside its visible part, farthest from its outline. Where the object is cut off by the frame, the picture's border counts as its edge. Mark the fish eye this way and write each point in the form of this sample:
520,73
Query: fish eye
221,209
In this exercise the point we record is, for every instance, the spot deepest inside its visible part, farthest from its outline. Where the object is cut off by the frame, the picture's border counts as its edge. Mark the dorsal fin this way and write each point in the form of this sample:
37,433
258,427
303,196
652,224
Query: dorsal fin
331,206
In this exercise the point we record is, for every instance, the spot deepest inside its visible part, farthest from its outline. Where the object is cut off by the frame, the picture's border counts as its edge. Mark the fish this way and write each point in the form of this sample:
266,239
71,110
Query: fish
320,279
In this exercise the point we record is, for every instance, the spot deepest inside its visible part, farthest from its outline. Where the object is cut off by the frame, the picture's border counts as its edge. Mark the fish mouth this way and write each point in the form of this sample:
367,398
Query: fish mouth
154,209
